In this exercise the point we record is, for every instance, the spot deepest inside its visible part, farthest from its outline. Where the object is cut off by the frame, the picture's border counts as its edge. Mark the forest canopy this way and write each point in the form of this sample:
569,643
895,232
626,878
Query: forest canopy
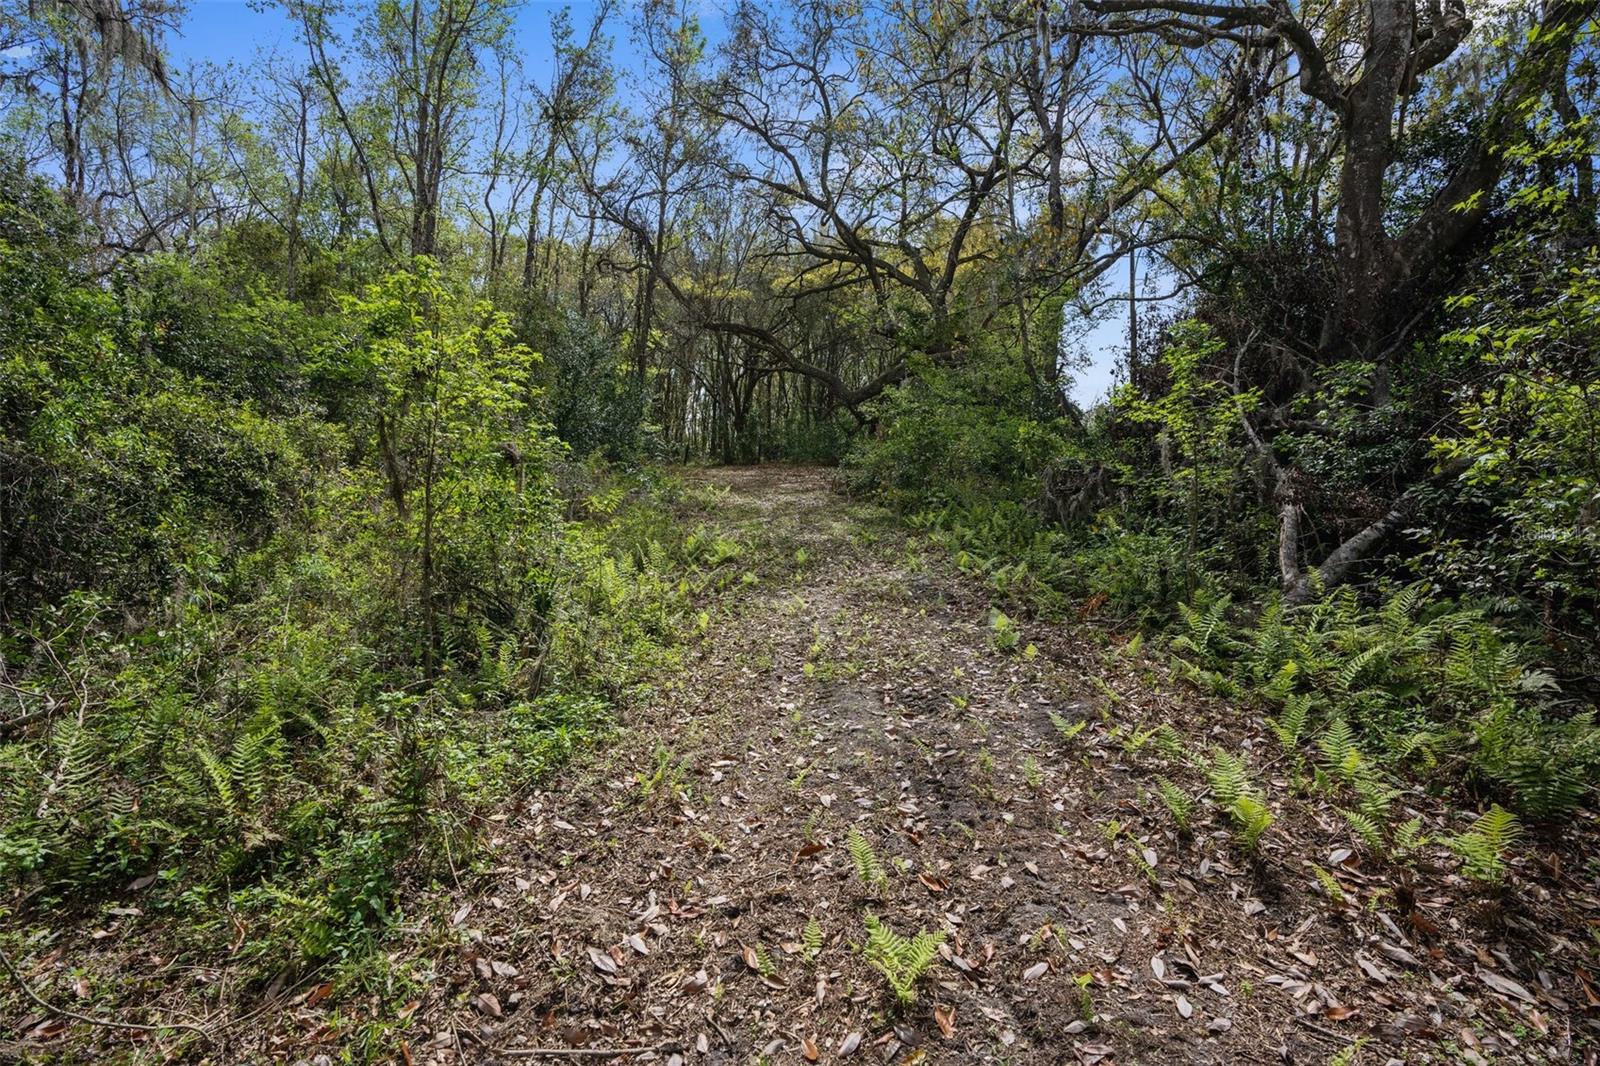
337,387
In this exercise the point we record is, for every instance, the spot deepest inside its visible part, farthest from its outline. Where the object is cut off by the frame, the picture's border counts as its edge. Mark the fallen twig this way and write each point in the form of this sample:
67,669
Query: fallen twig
110,1023
585,1052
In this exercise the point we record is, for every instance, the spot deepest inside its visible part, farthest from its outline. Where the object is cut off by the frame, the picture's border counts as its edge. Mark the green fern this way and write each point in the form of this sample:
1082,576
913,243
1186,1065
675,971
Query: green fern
218,775
256,761
1068,730
1171,743
1367,829
1177,802
1227,777
1408,837
811,940
1251,816
902,961
1544,768
1376,795
1340,754
1290,724
1205,635
1482,848
868,868
1330,886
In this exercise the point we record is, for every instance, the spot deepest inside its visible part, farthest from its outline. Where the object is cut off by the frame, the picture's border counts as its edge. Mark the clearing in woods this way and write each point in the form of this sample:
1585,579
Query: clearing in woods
662,895
852,736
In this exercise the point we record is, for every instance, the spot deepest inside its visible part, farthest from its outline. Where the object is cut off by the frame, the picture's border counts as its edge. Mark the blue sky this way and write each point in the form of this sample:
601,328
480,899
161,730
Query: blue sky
236,31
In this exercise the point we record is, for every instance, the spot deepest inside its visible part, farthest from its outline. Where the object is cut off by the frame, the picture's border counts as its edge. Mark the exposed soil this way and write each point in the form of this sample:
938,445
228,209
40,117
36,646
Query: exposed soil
654,899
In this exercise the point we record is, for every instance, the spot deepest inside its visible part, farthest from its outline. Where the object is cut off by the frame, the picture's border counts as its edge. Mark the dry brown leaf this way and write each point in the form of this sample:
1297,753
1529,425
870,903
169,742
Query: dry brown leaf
849,1044
1505,986
1036,971
808,1048
488,1004
946,1017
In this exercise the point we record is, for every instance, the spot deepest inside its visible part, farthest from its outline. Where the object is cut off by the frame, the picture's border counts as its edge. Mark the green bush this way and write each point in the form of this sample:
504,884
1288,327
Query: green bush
1424,681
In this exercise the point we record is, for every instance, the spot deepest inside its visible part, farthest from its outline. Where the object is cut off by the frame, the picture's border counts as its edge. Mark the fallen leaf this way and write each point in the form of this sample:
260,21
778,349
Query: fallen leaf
1505,986
1158,966
808,1048
488,1004
946,1017
320,993
1185,1008
1398,954
602,961
1338,1012
1036,971
1371,969
849,1044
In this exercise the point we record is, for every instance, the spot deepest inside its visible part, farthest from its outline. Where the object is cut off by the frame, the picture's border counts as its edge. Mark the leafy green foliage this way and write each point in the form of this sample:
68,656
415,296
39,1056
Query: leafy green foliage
1417,680
303,601
1482,848
1177,801
1004,633
868,868
901,960
1232,790
1251,817
1068,730
811,940
1227,777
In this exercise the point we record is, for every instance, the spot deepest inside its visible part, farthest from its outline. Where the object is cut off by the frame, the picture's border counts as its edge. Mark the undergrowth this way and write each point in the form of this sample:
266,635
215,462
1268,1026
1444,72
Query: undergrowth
258,761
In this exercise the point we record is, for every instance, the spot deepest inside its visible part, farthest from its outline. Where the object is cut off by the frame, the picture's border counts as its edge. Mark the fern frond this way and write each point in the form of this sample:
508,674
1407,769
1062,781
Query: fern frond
1227,777
1482,848
1251,816
1368,830
868,868
1068,730
1330,886
1177,802
811,940
1290,724
901,960
1339,751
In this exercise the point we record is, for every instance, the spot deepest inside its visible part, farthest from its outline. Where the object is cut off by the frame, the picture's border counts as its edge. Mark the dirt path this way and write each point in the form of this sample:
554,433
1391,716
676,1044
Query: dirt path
660,897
